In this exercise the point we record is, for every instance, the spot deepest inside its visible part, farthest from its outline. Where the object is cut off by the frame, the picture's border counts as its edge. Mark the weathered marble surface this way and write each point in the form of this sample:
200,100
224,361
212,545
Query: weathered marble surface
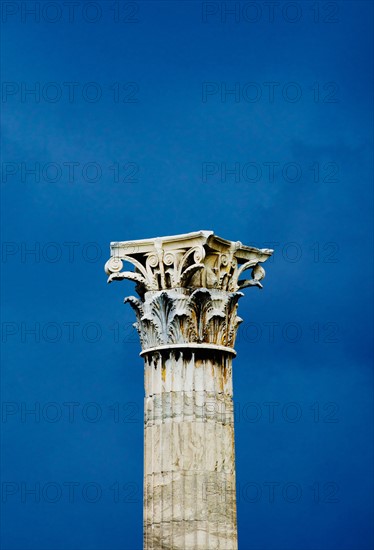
189,462
189,287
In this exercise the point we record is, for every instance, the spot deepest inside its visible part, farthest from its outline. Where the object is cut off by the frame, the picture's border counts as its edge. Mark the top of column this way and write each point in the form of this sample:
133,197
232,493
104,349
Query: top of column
191,260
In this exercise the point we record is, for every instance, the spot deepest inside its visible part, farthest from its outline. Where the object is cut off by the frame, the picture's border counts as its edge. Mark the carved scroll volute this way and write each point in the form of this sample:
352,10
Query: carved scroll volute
258,273
186,271
171,260
113,269
113,265
152,267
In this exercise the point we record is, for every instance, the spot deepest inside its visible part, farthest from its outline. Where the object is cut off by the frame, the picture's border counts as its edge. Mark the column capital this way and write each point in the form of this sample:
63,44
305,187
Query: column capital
190,261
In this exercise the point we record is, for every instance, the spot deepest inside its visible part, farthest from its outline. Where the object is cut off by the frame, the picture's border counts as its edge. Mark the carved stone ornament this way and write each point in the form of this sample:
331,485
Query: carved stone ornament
188,286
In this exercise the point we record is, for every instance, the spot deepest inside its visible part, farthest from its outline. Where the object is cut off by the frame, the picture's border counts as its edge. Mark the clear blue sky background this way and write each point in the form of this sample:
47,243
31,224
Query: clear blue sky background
317,291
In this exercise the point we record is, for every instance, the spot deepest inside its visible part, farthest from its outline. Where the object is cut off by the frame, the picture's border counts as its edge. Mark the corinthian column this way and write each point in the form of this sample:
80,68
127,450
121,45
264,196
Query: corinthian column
189,287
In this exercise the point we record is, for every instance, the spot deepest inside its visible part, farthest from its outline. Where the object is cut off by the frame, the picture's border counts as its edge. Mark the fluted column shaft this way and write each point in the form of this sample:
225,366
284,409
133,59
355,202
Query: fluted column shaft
189,463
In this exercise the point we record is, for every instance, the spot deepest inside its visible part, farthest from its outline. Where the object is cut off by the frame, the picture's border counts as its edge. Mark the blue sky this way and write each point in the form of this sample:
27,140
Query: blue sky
144,144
